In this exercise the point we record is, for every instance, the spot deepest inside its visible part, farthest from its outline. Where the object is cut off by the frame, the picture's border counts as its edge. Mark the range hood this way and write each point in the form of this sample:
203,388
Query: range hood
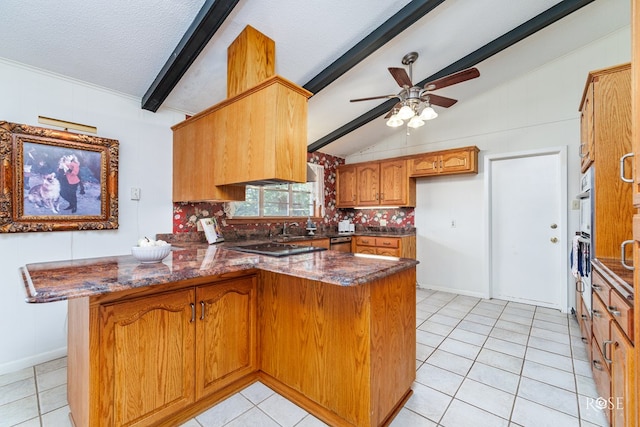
258,135
311,177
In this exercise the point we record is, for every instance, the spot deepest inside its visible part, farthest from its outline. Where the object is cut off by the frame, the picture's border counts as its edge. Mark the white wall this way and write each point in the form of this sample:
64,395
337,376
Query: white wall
539,109
33,333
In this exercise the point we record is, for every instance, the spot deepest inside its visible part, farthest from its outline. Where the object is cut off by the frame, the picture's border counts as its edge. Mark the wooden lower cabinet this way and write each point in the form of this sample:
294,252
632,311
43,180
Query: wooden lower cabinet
141,360
623,379
344,353
613,362
403,247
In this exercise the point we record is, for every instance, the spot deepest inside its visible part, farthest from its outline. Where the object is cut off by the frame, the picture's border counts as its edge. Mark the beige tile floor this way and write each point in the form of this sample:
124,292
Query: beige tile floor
479,363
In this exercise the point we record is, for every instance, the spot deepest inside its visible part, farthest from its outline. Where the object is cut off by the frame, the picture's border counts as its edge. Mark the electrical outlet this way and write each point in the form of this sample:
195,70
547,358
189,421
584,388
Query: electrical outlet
453,223
135,193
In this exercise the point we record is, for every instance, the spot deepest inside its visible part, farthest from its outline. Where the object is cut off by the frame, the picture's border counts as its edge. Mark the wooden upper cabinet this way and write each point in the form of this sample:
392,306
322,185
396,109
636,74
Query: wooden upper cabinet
610,110
396,188
587,142
256,136
448,162
368,184
379,183
346,186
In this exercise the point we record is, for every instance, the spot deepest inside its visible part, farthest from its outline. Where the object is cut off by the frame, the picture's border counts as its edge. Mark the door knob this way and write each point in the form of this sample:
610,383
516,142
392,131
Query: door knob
554,226
554,240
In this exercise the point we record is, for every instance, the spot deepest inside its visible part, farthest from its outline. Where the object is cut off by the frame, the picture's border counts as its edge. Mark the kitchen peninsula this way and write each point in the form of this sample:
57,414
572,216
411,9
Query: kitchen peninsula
156,344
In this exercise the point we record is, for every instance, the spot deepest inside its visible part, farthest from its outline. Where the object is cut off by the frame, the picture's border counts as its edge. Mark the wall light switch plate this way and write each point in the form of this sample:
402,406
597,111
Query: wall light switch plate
135,193
575,204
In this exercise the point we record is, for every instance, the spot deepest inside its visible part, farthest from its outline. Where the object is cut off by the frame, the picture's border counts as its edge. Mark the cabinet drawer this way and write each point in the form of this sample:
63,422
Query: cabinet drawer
366,250
365,241
387,242
584,320
600,287
622,313
601,320
388,251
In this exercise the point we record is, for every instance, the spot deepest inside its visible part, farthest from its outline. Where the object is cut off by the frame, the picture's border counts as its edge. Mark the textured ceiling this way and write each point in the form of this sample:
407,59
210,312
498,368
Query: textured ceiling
123,45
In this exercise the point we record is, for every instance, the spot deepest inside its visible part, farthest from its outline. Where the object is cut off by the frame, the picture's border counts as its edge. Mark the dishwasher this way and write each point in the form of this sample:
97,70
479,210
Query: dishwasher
340,243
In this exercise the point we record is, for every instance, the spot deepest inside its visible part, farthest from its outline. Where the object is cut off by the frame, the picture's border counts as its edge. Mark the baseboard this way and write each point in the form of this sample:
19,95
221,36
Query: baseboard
454,291
16,365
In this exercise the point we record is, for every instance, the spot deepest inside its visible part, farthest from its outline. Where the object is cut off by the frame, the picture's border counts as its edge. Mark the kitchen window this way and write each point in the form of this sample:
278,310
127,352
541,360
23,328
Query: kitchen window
283,200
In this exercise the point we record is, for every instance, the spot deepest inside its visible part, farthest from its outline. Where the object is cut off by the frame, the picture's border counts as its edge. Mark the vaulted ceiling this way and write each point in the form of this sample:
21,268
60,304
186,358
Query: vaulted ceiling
172,54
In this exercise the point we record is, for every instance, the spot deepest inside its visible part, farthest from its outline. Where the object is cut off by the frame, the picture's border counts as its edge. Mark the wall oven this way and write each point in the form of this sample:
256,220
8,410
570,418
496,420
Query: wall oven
581,250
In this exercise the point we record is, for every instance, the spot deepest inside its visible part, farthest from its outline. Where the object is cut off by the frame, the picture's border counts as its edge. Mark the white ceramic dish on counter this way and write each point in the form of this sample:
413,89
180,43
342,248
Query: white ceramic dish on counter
150,254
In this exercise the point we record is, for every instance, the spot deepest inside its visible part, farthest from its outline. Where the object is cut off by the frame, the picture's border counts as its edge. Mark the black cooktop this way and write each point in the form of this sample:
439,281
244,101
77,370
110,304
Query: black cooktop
276,249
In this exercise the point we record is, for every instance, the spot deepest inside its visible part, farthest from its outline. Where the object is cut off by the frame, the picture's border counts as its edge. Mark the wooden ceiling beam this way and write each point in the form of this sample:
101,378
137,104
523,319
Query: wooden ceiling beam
204,26
535,24
399,22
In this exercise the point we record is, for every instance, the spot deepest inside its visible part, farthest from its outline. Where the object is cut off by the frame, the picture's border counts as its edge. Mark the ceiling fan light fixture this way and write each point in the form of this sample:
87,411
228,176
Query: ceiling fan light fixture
428,113
406,112
415,122
394,121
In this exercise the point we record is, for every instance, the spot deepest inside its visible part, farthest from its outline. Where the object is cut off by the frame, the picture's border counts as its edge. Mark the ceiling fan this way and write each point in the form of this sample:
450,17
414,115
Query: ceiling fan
415,101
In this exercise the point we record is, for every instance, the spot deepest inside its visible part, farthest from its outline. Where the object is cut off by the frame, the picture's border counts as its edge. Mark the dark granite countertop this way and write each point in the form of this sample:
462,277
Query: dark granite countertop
61,280
620,278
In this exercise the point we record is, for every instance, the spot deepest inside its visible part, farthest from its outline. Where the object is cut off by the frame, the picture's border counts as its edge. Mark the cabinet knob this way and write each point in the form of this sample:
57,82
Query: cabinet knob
554,226
554,240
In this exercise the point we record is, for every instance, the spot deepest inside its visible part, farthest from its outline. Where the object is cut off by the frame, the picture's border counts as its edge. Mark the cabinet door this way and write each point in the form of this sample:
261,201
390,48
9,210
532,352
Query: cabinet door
623,401
147,358
394,183
587,136
368,193
425,165
346,186
456,162
226,333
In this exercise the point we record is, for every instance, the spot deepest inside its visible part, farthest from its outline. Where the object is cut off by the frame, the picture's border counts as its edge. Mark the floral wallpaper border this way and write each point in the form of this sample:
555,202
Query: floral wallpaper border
186,215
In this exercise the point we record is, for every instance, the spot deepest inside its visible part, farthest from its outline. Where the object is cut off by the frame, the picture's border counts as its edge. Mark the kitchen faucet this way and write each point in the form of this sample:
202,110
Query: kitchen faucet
284,227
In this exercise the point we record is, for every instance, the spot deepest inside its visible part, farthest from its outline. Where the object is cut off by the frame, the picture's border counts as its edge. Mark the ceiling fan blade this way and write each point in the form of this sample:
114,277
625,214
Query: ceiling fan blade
374,97
441,101
451,79
401,77
394,109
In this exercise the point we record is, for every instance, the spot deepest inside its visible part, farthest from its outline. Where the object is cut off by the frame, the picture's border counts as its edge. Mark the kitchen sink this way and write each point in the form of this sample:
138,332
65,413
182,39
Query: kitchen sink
281,239
276,249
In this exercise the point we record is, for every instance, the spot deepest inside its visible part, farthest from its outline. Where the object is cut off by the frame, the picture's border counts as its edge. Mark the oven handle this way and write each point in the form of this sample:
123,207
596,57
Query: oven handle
584,195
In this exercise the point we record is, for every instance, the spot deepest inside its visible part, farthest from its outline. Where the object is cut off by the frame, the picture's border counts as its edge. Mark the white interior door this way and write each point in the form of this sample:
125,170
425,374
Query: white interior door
527,237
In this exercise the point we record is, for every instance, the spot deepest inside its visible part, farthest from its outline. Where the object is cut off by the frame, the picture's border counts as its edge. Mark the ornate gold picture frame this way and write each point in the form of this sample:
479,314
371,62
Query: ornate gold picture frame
55,180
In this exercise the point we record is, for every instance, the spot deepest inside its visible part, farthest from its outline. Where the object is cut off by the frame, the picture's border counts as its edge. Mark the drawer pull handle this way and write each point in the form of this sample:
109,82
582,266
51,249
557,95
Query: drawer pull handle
386,243
584,340
201,310
584,316
613,310
596,286
597,314
579,286
193,313
597,365
605,343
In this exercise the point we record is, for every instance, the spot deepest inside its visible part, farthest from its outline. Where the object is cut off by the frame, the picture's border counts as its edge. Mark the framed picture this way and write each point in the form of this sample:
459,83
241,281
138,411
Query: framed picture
55,180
